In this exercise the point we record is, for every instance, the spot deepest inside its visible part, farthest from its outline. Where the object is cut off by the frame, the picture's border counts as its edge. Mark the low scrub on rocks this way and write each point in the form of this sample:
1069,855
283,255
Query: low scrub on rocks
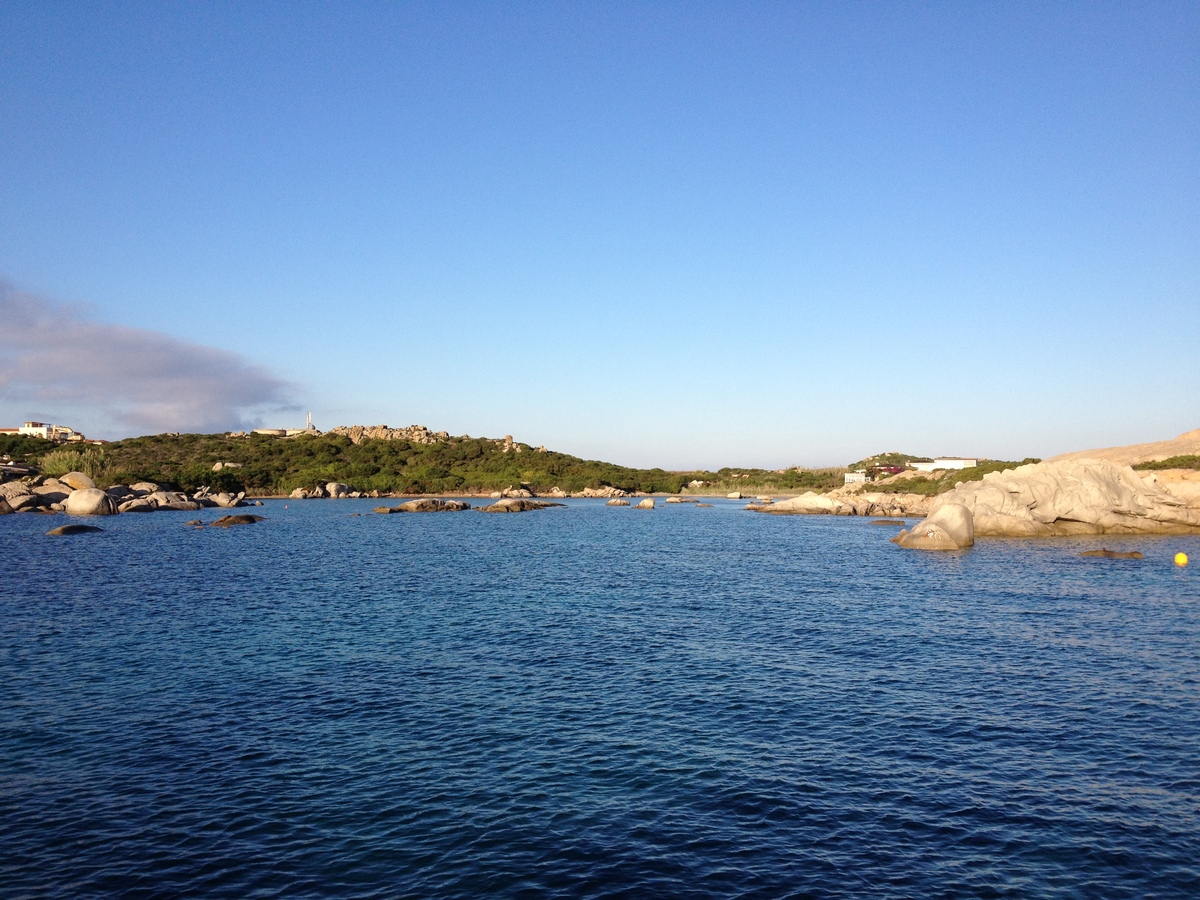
1173,462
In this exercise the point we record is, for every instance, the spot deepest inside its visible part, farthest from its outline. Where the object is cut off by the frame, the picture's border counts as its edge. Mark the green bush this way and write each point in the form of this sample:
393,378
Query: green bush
61,461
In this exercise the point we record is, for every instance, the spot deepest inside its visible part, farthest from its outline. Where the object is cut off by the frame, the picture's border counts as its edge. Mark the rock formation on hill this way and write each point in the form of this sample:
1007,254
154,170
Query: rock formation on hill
414,434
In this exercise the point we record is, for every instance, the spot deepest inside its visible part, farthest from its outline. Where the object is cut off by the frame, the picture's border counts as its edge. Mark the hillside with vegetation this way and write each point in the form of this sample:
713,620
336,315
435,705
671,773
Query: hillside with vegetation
942,480
267,464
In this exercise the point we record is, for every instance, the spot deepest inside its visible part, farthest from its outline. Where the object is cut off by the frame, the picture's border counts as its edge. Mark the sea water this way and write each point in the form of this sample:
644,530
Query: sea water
591,702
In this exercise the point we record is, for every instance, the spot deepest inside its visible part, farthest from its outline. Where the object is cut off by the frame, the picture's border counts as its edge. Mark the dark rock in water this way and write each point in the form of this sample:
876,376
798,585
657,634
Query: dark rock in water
192,522
425,504
243,519
73,529
5,509
899,522
515,504
1113,554
704,506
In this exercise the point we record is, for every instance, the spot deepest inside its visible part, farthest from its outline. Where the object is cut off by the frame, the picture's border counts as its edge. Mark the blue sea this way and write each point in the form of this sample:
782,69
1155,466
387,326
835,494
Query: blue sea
591,702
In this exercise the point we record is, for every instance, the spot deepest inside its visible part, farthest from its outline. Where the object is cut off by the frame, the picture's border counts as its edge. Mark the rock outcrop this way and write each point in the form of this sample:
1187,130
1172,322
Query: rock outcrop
90,502
515,504
1187,444
1181,483
617,501
605,492
1071,497
19,496
648,503
950,527
425,504
414,434
77,481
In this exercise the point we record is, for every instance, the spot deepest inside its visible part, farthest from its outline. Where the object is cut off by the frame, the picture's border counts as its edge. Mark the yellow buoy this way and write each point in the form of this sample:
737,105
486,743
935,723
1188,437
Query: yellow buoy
1181,559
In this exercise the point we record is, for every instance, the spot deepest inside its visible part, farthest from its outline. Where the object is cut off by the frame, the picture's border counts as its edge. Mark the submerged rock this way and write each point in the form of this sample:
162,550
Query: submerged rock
240,519
1113,554
73,529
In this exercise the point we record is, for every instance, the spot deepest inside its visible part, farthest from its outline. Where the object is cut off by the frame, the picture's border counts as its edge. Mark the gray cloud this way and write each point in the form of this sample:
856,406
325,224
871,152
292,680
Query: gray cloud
56,357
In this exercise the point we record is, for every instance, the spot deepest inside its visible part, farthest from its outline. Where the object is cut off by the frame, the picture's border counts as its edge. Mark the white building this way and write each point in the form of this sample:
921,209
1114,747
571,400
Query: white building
49,432
945,462
856,477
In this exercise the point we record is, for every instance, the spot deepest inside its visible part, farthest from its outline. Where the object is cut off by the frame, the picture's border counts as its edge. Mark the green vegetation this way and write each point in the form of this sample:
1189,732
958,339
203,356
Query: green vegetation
268,464
89,461
21,448
886,461
1174,462
943,480
273,465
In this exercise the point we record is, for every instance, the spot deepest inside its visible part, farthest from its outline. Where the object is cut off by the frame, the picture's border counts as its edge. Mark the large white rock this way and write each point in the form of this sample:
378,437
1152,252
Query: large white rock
810,503
337,490
950,527
1071,497
89,502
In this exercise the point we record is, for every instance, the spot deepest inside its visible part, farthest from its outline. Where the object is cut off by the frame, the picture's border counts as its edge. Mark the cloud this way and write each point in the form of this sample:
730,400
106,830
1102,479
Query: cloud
54,356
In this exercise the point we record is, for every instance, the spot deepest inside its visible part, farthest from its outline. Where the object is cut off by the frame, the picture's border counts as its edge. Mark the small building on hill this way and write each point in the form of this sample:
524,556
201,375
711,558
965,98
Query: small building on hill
945,462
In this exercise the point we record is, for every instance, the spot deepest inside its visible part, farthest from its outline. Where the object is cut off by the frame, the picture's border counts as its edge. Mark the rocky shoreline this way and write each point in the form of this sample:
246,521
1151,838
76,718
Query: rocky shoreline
1073,494
77,495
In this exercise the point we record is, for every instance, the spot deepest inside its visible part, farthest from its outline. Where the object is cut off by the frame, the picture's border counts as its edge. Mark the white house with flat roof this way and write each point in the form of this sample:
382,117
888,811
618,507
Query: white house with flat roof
47,431
945,462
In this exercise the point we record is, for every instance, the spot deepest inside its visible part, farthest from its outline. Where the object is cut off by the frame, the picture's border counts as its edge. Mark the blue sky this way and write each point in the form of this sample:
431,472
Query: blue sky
659,234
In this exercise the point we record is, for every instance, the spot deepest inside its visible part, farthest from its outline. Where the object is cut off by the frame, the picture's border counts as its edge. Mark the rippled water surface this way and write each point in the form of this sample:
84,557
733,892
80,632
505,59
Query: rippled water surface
591,701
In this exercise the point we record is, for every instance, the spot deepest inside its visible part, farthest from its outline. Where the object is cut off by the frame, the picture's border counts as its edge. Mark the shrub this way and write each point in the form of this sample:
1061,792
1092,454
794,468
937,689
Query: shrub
61,461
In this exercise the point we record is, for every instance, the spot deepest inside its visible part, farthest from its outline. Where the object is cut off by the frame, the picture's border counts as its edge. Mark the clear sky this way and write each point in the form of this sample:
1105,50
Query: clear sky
659,234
